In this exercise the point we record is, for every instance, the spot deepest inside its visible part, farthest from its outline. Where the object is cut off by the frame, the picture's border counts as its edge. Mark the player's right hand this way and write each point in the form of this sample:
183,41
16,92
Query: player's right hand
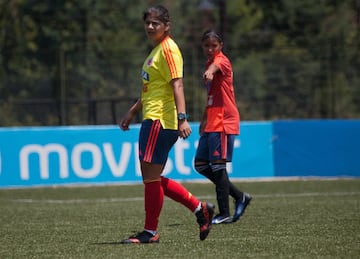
125,122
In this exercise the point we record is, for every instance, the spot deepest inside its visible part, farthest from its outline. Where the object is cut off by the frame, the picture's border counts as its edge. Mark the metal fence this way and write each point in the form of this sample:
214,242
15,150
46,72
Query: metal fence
50,112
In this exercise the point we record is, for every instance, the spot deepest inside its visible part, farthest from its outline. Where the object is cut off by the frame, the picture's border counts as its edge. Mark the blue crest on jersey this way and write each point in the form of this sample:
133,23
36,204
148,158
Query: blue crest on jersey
145,75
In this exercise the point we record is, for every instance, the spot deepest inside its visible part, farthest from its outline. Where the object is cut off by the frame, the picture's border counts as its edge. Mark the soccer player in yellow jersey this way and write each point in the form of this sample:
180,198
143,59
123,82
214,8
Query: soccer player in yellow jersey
163,108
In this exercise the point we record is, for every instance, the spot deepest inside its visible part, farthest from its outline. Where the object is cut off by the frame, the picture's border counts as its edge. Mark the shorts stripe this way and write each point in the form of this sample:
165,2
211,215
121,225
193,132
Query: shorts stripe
223,145
152,140
214,146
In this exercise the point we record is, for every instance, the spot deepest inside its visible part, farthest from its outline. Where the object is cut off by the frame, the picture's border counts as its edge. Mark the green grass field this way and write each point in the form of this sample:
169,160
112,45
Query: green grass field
286,219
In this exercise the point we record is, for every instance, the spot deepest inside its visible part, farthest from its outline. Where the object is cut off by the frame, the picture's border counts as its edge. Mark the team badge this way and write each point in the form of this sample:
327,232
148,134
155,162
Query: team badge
149,62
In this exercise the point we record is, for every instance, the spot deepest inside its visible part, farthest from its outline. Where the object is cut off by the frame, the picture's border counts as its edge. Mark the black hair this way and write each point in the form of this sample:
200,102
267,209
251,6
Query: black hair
161,12
211,33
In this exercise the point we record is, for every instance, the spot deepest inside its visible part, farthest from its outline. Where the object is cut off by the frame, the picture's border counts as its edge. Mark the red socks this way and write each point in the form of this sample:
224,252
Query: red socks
154,199
179,193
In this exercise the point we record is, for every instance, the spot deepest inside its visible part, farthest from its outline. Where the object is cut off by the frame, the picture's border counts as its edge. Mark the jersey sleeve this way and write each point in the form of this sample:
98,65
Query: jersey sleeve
173,61
223,64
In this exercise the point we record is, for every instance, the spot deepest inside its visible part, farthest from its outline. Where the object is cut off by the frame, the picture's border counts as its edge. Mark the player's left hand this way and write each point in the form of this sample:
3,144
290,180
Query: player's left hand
184,129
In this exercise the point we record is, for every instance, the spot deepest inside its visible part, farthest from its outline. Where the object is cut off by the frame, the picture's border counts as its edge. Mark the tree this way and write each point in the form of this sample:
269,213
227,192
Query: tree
291,59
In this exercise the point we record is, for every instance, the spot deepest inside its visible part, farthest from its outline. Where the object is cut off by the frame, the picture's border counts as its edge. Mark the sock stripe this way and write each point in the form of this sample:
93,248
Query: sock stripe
218,167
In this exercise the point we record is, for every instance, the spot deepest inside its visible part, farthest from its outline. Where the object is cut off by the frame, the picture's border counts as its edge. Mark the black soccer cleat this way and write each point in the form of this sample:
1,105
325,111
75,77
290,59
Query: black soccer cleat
142,238
204,218
221,219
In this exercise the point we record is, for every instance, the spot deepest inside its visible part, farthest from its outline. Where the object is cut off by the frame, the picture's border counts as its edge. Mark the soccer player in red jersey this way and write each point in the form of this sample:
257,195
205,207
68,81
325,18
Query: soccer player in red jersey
218,128
162,104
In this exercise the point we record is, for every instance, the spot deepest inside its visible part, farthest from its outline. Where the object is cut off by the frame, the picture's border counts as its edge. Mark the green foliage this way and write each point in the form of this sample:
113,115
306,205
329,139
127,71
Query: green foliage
286,219
291,59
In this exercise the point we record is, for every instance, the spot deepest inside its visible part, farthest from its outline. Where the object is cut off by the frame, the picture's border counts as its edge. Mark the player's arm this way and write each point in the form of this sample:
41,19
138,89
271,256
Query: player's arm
210,72
125,121
179,96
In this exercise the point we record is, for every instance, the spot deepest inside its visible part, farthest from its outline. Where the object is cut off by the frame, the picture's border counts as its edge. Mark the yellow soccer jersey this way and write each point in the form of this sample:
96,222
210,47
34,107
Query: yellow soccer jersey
162,65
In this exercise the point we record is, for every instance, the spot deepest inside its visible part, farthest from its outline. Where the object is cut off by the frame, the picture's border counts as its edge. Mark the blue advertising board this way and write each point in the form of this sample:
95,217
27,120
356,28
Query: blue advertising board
42,156
325,148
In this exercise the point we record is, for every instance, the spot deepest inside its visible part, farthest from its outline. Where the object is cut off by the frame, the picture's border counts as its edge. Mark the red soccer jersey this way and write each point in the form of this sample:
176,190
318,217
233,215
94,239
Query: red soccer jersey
221,109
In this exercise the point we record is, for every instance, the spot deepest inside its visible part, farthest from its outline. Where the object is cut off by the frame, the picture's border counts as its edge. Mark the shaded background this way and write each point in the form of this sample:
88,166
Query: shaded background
66,62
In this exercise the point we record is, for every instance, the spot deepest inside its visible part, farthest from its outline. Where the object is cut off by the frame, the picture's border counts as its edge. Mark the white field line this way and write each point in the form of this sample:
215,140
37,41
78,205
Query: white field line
109,200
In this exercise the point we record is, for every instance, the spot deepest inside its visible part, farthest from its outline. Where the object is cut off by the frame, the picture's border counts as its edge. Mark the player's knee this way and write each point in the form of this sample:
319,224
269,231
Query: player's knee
201,166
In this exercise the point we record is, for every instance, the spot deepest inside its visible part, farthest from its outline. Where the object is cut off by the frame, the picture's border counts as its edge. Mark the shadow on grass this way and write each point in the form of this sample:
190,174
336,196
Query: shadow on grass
174,225
107,243
112,242
120,243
